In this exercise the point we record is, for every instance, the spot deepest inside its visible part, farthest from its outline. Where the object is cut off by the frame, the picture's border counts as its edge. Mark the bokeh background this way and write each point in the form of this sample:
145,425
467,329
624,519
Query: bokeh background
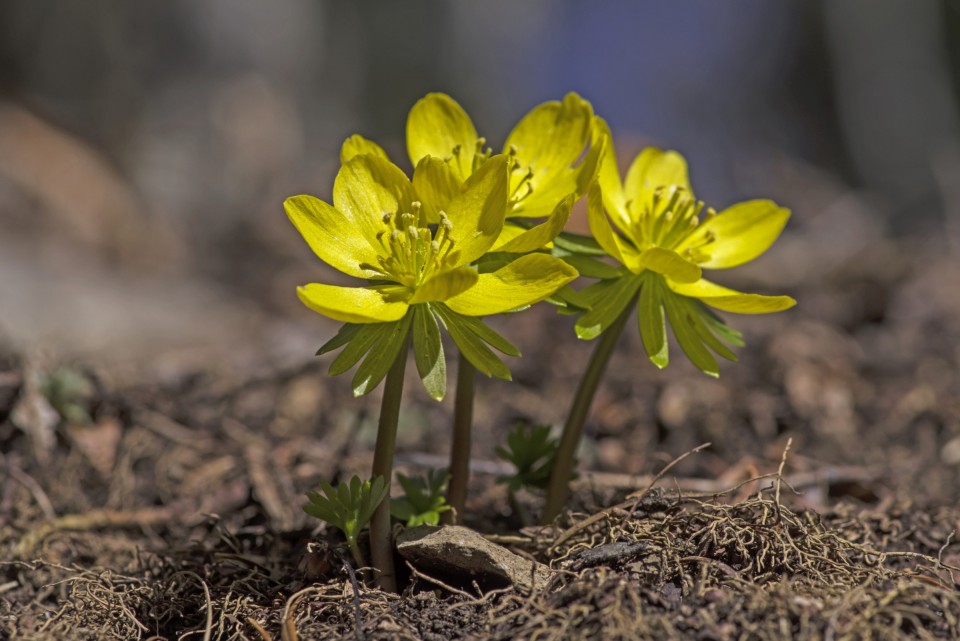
146,147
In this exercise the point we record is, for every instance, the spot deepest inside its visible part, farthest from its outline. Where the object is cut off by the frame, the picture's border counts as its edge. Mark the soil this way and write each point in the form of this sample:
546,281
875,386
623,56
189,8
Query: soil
825,506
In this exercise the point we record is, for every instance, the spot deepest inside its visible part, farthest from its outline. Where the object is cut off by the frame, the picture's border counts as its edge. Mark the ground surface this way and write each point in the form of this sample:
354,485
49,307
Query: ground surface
175,511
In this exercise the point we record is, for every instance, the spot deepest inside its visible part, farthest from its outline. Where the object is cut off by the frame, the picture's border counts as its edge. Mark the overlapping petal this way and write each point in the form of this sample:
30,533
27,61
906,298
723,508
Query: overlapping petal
444,285
549,141
525,281
331,236
651,169
366,188
478,211
539,236
436,184
438,126
351,304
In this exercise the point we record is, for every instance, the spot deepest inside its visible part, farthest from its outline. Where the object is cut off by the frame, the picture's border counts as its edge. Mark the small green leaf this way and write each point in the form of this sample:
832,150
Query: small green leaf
579,244
471,345
380,358
588,266
344,335
608,300
687,336
531,451
653,328
348,506
424,498
428,352
361,342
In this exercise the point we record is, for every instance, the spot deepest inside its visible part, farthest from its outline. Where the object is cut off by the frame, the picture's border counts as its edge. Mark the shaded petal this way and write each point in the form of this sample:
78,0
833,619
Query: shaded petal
740,232
730,300
436,183
331,236
366,188
525,281
604,234
444,285
608,176
351,304
436,126
549,141
478,211
670,264
654,168
357,145
539,236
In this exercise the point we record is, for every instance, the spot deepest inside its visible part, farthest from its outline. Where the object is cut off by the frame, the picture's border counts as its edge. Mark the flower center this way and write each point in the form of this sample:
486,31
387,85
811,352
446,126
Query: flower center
412,250
672,215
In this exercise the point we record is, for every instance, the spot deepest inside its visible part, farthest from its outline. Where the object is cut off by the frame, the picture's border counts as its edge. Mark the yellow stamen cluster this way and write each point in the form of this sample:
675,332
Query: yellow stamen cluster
673,216
520,187
411,249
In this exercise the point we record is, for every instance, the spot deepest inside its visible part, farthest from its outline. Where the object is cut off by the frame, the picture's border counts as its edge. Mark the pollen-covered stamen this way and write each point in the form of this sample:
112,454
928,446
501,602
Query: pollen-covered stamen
686,219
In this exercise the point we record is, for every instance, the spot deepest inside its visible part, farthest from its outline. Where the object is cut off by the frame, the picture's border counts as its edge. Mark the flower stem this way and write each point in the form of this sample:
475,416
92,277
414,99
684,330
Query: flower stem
381,535
460,448
559,487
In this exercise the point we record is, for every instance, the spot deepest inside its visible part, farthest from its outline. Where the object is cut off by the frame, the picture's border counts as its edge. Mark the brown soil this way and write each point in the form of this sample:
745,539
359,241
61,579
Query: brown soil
825,507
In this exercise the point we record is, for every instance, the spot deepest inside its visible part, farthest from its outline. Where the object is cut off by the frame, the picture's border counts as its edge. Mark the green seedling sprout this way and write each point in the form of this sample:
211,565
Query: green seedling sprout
651,225
424,498
348,507
532,451
68,390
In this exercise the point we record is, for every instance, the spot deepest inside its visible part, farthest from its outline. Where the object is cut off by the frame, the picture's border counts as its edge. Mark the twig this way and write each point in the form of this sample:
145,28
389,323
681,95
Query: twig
438,582
776,494
358,621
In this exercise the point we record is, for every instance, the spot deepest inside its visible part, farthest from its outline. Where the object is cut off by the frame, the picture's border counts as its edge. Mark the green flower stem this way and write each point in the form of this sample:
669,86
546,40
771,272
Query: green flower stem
381,534
559,487
355,551
460,448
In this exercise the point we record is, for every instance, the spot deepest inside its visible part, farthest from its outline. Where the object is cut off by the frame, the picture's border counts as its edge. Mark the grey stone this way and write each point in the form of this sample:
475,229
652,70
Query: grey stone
463,555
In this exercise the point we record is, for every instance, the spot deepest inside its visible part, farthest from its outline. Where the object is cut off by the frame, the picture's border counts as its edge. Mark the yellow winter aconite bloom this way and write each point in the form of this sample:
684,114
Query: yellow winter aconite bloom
664,237
553,153
417,267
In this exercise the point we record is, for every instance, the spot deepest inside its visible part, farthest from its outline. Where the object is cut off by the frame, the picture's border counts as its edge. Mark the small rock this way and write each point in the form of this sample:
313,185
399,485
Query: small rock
462,555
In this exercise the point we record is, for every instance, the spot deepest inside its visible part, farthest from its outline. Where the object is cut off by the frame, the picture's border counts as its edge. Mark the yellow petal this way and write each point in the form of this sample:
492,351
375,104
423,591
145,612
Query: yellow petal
670,264
436,184
654,168
549,141
366,188
351,304
438,126
444,285
539,236
604,234
609,178
730,300
356,145
331,236
741,233
527,280
478,211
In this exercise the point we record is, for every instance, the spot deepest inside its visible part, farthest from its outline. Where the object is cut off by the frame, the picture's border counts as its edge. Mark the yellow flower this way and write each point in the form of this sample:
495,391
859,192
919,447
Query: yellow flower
417,267
651,223
553,154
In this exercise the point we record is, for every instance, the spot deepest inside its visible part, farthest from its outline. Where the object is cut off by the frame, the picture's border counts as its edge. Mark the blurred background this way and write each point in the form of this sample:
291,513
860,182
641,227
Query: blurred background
146,147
